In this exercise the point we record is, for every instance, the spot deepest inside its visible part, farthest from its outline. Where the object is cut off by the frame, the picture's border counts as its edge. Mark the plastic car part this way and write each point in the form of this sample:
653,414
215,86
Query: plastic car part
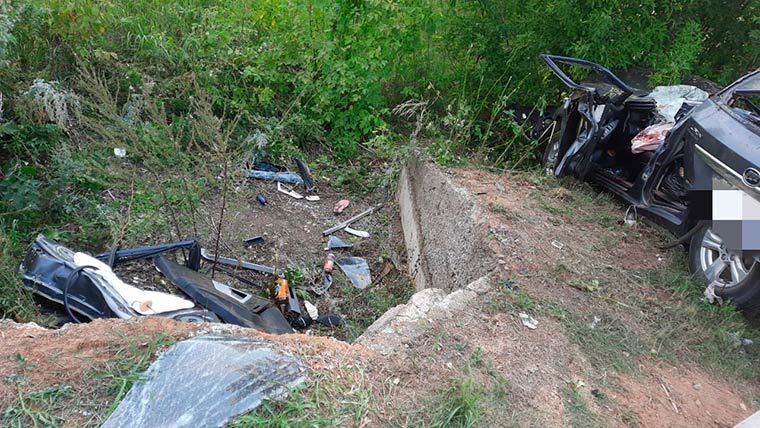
118,257
333,242
356,232
357,271
288,191
331,320
237,263
48,270
231,375
230,305
303,171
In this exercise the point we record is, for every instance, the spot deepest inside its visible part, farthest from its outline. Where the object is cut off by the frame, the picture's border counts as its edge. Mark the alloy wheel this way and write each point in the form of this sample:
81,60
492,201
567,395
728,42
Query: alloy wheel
721,267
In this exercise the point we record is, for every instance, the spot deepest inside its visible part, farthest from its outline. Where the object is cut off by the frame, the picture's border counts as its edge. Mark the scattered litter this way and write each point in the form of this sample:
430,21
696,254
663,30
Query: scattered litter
341,205
357,271
335,243
331,320
256,240
528,321
311,309
631,216
285,298
327,270
356,232
313,198
499,187
120,152
288,191
282,177
217,368
261,199
595,322
303,171
348,222
558,245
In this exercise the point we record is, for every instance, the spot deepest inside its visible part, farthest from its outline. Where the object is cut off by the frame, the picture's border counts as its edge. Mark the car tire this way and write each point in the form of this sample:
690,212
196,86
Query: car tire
706,251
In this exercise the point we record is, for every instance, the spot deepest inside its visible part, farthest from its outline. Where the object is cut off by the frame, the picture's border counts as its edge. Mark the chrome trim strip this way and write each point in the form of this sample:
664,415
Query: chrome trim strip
726,172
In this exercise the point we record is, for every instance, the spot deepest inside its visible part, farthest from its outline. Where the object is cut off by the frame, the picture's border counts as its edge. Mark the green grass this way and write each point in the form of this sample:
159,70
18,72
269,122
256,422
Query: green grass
324,401
691,329
607,343
577,412
118,374
39,408
458,405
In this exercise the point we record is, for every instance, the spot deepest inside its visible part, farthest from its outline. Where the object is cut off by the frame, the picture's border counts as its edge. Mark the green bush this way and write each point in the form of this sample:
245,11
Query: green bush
166,79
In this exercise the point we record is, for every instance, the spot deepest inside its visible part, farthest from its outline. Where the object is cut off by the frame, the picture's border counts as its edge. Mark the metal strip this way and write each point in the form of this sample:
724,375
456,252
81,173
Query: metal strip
726,172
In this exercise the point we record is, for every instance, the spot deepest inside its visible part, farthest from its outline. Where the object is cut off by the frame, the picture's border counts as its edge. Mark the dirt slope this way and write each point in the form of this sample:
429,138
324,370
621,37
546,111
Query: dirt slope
611,349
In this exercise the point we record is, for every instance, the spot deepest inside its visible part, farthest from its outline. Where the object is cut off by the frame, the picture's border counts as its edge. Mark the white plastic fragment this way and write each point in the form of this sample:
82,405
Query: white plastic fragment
558,245
355,232
288,191
528,321
311,309
312,198
120,152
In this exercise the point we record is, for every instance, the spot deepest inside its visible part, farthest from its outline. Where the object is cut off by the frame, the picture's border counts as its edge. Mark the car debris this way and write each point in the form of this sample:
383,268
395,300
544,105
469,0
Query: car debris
335,243
120,152
256,240
357,271
557,244
231,305
288,191
356,232
311,309
285,298
528,321
88,288
343,225
312,198
305,174
281,177
327,271
215,367
261,199
235,262
341,205
331,320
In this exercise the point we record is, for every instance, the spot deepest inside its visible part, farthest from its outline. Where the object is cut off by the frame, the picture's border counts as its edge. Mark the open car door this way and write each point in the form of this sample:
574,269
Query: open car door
576,126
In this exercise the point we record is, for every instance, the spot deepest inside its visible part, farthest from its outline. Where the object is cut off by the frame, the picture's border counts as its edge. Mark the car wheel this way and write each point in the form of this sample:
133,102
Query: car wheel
735,276
551,153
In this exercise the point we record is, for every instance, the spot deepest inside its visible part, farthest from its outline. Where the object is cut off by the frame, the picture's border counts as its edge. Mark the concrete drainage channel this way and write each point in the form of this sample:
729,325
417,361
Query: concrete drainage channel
447,253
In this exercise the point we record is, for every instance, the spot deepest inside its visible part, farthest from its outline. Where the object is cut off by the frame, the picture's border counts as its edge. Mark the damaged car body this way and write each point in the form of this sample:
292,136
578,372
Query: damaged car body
687,160
87,287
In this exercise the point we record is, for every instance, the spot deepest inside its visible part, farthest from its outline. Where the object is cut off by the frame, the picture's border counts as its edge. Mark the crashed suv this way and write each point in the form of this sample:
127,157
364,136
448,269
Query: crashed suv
688,160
